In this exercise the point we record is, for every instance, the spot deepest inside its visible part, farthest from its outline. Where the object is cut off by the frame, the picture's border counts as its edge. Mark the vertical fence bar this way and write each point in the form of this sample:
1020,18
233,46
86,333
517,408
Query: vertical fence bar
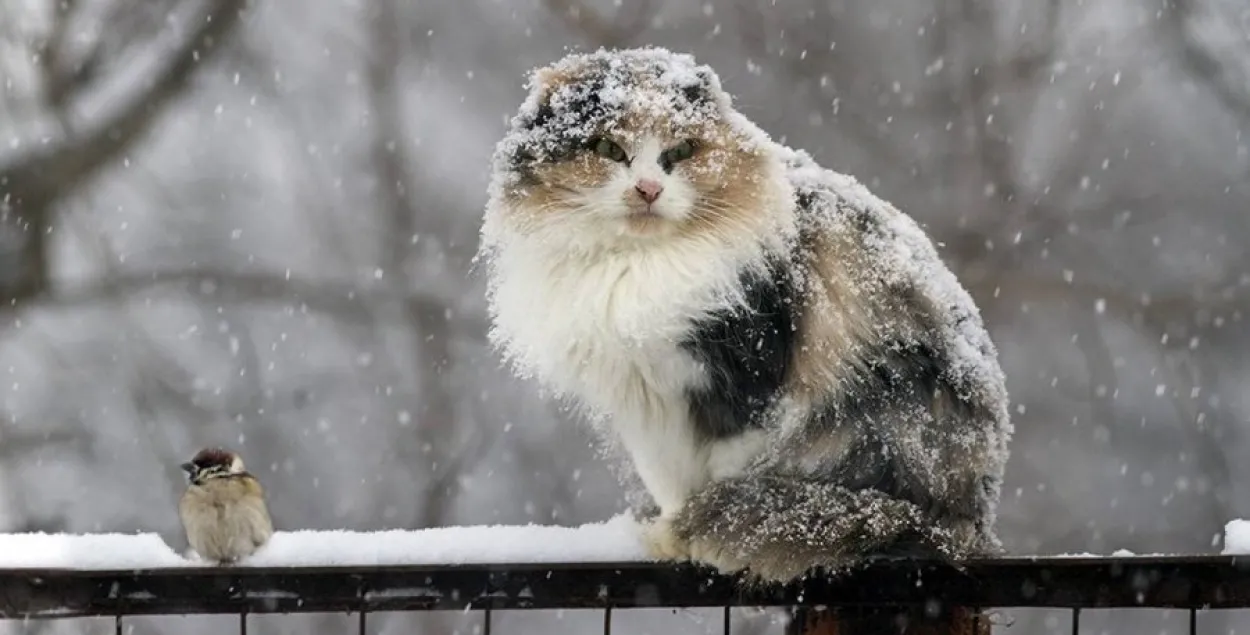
1076,621
485,622
1193,621
243,622
363,617
607,621
727,620
117,625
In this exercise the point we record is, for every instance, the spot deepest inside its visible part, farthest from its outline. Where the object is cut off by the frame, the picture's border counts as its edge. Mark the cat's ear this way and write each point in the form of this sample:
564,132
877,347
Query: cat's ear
541,84
543,81
703,89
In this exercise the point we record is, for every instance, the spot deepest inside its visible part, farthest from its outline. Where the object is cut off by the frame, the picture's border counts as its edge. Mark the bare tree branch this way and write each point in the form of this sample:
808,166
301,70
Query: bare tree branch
988,186
342,300
1205,60
1103,380
1209,437
391,162
19,443
1134,306
54,169
50,55
32,183
433,332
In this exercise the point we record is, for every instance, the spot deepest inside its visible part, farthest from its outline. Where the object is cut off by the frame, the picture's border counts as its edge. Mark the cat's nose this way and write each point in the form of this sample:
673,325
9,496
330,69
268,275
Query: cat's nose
648,189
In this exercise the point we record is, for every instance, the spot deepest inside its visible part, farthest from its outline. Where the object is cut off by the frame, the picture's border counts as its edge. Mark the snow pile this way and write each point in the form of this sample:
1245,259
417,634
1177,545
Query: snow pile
1237,537
1118,553
87,551
616,540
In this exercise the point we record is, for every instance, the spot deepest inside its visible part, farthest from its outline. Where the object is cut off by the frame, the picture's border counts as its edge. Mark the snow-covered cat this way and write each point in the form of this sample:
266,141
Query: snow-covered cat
795,376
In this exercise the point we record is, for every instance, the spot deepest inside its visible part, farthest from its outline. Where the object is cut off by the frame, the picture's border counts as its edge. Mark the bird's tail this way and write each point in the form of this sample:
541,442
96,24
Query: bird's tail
780,527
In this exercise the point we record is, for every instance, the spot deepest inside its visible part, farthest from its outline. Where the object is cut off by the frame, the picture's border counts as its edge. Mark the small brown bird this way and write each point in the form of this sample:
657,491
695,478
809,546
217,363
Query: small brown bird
223,510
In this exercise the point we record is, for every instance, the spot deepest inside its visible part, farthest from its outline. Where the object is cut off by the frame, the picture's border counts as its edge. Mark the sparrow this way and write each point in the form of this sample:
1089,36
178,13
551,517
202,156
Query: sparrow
223,510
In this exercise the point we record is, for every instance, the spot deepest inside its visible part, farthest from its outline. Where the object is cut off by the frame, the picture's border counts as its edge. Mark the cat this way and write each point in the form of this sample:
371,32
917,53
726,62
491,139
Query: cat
797,379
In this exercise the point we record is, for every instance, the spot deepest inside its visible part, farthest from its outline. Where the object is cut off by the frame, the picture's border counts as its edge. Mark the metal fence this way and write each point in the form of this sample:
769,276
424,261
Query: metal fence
1187,583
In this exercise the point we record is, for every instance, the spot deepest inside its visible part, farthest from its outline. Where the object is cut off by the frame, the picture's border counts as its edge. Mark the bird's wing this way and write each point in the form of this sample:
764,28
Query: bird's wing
262,529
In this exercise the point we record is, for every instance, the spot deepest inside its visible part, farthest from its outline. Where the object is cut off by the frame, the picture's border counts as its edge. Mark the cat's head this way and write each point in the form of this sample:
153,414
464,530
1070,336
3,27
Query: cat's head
631,146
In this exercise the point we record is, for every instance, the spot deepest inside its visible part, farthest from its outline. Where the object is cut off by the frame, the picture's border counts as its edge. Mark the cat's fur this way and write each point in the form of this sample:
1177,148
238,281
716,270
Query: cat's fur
795,376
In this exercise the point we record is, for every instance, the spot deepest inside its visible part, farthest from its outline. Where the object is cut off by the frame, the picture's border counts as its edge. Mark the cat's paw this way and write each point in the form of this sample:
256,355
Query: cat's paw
715,555
662,543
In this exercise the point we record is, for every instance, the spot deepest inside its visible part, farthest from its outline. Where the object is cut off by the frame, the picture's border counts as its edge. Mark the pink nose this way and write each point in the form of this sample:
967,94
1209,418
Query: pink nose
649,189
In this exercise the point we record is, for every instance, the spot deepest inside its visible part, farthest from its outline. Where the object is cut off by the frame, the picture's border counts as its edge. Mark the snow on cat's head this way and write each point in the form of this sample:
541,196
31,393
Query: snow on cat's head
628,147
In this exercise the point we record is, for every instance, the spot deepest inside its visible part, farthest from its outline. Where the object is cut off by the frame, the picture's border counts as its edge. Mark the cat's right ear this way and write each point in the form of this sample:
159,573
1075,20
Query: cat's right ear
542,83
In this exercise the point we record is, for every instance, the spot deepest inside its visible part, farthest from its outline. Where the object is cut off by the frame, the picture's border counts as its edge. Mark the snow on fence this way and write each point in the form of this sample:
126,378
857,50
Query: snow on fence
593,567
611,541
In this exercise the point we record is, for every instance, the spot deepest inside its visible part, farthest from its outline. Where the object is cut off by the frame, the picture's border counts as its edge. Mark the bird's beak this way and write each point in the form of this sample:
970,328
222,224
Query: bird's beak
189,468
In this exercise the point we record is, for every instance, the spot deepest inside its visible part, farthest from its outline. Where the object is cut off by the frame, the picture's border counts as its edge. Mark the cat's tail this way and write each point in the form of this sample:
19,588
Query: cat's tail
780,527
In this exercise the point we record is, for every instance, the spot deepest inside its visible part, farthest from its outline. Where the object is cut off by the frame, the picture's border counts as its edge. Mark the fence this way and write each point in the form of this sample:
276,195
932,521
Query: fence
898,587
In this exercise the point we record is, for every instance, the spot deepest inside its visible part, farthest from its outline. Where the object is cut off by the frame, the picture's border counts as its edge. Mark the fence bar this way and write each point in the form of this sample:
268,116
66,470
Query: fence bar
485,623
607,621
1076,621
727,609
363,618
1182,583
243,623
117,625
1193,621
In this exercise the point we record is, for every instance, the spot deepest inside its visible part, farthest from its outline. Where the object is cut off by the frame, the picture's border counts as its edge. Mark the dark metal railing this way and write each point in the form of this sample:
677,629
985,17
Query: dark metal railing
1193,583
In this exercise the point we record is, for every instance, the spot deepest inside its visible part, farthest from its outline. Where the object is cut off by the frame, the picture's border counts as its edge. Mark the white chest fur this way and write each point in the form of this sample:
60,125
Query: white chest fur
607,331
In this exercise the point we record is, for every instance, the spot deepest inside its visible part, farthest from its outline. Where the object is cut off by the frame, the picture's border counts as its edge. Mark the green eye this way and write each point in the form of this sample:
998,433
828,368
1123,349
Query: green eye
608,149
677,153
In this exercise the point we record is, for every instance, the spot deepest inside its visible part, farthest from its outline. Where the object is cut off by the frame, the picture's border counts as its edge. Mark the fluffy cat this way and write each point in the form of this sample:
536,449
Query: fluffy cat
797,379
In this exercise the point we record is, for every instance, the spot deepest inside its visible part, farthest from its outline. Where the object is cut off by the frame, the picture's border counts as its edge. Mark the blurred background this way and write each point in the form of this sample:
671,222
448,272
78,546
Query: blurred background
251,224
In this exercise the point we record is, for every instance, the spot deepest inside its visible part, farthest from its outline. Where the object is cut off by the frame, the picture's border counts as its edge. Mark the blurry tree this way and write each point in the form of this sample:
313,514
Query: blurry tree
64,142
69,149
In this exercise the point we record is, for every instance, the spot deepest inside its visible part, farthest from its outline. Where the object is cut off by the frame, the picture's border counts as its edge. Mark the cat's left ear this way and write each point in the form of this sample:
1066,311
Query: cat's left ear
704,89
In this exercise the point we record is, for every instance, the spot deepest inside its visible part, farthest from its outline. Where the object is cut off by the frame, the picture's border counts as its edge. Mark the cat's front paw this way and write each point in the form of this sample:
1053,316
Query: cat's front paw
721,557
661,542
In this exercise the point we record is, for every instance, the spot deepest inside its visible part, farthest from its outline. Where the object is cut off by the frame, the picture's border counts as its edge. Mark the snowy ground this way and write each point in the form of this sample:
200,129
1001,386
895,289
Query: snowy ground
613,541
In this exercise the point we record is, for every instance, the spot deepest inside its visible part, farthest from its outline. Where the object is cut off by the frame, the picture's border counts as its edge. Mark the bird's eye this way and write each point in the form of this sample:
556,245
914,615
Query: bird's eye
608,149
678,153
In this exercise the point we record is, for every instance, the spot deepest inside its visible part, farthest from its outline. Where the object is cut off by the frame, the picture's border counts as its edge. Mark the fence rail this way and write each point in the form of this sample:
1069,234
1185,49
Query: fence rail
1162,582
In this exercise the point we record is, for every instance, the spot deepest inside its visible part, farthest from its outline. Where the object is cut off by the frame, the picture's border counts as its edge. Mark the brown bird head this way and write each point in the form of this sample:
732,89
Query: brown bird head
212,463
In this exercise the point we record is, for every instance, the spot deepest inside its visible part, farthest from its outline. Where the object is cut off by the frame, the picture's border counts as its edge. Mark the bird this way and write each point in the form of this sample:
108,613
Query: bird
223,509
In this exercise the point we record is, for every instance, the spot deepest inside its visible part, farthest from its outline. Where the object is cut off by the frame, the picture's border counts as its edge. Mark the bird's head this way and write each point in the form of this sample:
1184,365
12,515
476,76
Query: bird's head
211,463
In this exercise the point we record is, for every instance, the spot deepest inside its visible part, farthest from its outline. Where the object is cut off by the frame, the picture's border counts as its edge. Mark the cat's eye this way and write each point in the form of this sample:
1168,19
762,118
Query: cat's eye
677,153
608,149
